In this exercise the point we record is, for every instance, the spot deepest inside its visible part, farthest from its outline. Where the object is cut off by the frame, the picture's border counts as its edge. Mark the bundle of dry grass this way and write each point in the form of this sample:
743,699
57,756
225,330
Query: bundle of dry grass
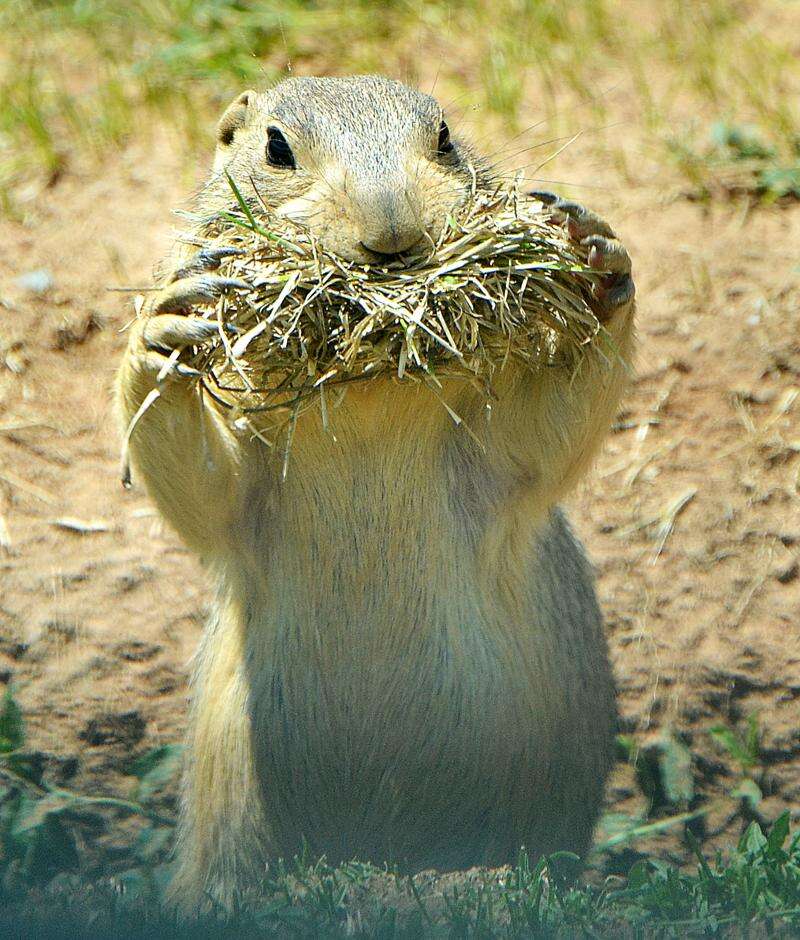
501,283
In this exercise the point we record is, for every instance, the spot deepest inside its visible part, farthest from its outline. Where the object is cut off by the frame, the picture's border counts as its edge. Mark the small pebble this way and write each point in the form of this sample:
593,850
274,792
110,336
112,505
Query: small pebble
36,282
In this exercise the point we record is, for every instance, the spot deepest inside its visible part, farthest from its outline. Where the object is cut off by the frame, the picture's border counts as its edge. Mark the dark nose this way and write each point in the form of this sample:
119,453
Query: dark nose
393,243
389,223
387,255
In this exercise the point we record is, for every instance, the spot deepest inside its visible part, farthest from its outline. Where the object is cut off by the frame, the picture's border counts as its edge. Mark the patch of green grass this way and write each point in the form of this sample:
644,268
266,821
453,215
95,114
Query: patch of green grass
755,889
49,886
739,161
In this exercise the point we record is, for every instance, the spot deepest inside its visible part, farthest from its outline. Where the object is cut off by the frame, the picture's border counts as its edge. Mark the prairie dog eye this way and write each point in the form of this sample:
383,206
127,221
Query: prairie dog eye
279,153
445,145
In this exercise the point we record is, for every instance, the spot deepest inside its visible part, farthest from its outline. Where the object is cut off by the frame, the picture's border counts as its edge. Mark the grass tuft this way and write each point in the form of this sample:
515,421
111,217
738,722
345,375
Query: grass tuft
739,161
58,880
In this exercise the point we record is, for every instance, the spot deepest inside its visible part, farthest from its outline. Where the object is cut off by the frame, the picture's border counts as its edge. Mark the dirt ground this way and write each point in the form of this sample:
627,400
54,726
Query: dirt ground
690,515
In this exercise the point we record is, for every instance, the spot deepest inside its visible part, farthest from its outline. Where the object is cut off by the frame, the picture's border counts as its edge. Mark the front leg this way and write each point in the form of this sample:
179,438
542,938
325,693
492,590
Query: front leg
179,444
550,424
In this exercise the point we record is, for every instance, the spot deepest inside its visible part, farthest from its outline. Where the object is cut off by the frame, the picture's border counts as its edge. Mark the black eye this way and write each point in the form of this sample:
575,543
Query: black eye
445,145
279,153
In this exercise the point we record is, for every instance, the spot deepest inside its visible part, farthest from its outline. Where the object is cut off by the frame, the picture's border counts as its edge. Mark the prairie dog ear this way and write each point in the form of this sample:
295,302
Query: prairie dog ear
234,118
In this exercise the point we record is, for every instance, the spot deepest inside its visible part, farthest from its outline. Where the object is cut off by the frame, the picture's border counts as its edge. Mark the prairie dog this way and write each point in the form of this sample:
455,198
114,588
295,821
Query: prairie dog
406,659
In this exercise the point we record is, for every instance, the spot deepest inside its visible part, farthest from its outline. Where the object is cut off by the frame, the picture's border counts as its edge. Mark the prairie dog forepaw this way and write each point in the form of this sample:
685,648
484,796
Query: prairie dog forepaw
613,296
615,293
169,327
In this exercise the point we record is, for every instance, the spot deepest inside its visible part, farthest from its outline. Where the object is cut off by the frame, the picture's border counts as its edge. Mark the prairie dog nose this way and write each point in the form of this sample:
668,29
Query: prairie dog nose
392,242
389,223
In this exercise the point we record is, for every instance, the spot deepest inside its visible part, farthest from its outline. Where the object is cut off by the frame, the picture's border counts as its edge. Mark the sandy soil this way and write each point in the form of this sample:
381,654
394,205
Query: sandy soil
690,516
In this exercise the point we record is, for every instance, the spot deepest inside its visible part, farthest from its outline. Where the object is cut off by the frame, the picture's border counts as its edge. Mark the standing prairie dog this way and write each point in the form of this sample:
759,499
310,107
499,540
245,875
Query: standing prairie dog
406,659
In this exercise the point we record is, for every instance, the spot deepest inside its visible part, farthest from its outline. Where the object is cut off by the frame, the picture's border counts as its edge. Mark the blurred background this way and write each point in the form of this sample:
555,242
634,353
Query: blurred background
701,94
677,120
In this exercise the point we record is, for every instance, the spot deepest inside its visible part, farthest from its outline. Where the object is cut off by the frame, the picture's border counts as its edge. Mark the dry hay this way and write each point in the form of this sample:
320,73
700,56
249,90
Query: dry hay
503,282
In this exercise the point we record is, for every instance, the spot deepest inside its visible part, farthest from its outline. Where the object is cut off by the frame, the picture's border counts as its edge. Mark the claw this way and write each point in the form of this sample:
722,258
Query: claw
607,254
163,366
621,293
182,296
170,331
573,209
544,196
581,222
207,259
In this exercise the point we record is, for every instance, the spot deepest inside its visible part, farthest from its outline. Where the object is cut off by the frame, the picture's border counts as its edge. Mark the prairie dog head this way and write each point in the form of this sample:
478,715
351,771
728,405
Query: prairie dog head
365,163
